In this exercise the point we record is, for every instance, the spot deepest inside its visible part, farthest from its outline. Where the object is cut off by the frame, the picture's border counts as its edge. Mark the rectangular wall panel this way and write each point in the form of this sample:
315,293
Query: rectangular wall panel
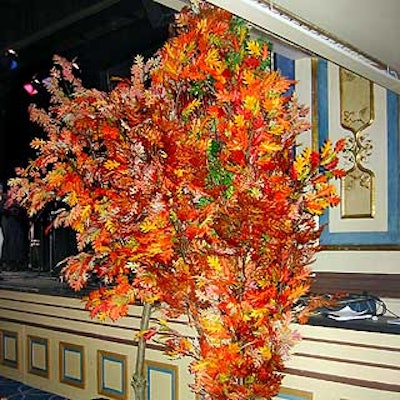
9,349
72,364
38,356
162,381
112,374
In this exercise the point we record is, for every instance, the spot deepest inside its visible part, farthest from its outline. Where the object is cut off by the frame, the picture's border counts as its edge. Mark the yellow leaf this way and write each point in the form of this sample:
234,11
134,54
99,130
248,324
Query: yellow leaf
316,207
111,164
265,352
191,107
239,120
155,248
200,365
163,154
214,327
255,192
102,316
202,25
253,47
148,225
252,104
179,173
268,146
55,177
212,59
326,149
85,213
248,77
206,221
213,262
275,129
302,163
72,198
110,226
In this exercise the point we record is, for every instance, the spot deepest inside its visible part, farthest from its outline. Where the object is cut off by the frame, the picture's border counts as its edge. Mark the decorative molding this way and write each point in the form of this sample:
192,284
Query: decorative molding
112,374
310,39
356,114
345,380
290,29
38,356
72,364
370,239
9,349
347,361
314,105
294,394
364,346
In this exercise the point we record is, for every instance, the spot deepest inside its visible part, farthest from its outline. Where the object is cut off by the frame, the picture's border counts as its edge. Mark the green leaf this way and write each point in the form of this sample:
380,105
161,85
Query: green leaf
204,201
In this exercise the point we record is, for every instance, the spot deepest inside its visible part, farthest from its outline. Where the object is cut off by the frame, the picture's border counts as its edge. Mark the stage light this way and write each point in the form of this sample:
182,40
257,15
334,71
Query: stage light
9,60
30,89
36,85
47,82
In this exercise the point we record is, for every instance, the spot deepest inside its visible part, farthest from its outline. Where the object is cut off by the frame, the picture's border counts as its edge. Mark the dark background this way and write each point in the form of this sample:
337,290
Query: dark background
103,35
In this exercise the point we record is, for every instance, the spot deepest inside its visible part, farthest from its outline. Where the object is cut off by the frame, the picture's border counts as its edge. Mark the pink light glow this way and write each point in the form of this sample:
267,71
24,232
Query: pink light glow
30,89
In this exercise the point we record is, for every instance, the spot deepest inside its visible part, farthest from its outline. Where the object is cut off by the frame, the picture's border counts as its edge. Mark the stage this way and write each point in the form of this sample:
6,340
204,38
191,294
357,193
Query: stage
36,282
49,342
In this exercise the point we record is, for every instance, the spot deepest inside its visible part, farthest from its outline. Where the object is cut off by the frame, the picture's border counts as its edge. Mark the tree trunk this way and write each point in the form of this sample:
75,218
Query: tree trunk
138,379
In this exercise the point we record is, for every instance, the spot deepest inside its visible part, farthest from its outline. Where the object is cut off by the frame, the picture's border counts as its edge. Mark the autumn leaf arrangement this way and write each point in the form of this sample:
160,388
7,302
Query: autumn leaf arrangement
187,192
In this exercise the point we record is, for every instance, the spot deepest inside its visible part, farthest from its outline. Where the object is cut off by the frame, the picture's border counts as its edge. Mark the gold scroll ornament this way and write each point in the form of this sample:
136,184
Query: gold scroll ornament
356,114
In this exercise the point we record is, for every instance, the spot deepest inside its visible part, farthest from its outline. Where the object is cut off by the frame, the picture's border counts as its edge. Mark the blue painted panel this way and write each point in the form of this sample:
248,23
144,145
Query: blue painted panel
286,67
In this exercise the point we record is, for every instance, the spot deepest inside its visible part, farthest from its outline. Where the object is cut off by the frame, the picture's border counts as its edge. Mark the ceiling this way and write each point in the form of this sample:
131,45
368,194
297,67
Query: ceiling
105,33
360,35
368,25
101,33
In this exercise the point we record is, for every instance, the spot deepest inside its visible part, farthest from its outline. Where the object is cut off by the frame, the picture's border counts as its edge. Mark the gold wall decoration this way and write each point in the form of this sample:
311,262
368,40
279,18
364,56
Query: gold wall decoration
356,114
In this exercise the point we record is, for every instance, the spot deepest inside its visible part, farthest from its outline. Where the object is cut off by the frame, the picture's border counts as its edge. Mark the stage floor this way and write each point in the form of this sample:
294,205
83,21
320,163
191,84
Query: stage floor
47,284
36,282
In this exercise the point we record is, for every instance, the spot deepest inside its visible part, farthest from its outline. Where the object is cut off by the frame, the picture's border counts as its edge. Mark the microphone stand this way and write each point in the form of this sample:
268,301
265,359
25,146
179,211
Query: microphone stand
53,215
